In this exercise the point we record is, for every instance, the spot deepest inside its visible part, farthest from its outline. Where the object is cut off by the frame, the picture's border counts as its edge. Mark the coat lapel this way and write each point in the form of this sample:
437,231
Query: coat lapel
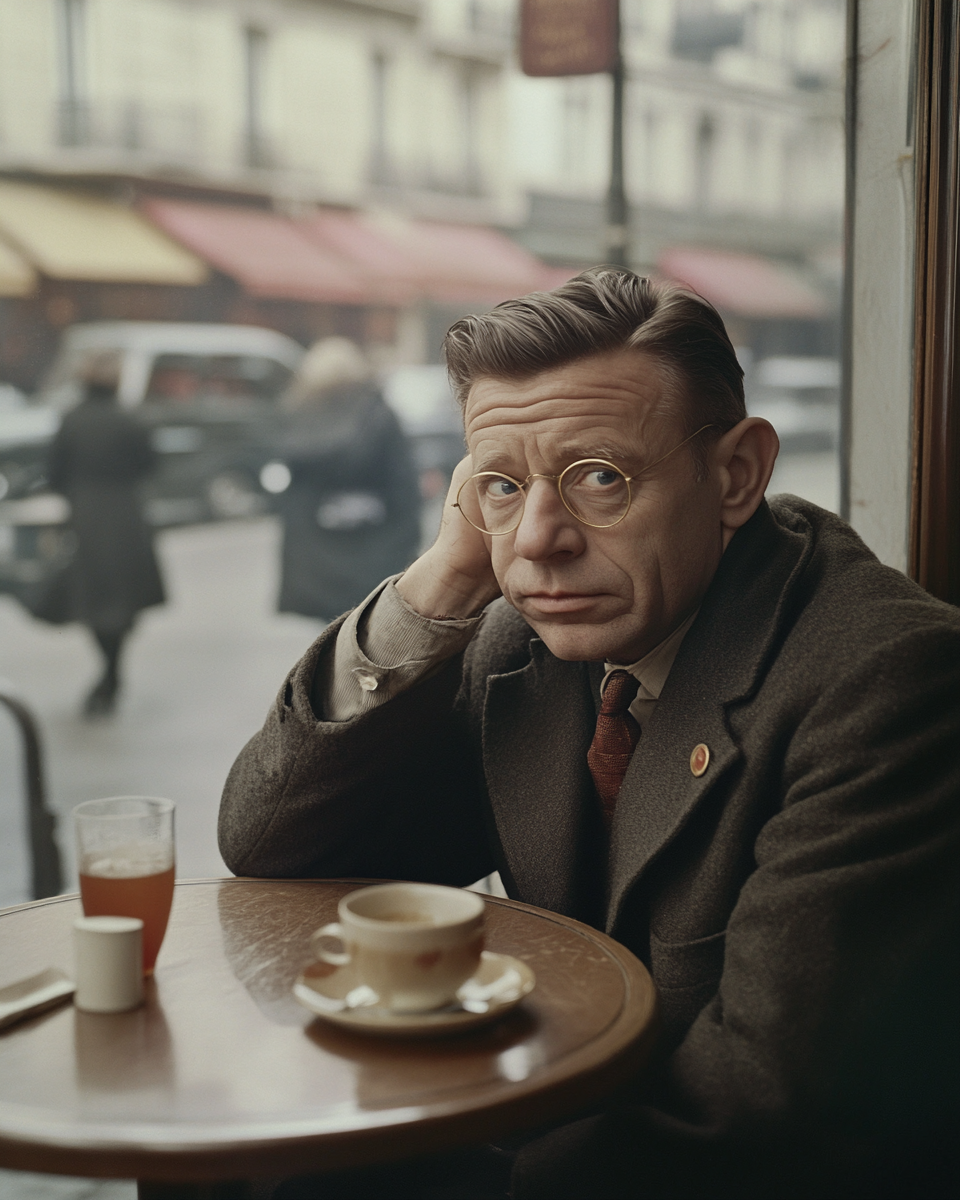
660,792
722,659
538,723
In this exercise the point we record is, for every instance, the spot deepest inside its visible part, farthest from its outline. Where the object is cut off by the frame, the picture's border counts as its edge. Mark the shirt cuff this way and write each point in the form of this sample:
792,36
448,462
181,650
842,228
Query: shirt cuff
385,647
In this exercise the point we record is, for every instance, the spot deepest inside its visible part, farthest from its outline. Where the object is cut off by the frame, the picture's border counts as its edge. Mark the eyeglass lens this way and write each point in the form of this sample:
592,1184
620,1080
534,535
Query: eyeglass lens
595,492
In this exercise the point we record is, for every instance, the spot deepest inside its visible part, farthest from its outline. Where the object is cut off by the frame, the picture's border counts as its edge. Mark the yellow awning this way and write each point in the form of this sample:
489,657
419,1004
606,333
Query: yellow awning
67,235
17,277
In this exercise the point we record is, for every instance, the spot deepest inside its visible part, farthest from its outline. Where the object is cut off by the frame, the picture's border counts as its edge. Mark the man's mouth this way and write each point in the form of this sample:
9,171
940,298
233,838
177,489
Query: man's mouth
561,602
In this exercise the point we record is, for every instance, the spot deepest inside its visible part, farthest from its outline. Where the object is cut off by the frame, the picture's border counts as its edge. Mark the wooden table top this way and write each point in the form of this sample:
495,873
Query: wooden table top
223,1075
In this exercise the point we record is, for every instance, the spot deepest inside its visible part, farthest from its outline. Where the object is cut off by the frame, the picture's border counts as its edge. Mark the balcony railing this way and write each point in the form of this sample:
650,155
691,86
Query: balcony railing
172,134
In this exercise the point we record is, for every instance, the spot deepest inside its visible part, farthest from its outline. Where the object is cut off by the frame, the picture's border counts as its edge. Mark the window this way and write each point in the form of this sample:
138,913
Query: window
255,53
576,126
703,160
469,126
210,380
380,167
73,114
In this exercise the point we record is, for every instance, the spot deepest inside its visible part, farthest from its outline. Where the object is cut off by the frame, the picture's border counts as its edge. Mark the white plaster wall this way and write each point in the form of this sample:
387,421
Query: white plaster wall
444,124
814,169
409,109
321,115
677,161
28,75
883,285
536,135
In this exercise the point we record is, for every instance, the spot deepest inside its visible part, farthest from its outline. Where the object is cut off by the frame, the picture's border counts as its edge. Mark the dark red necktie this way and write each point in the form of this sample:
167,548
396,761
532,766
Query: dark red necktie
615,740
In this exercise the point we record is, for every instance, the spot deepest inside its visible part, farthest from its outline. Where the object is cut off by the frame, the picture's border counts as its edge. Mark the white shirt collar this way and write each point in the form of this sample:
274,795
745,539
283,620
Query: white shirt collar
652,670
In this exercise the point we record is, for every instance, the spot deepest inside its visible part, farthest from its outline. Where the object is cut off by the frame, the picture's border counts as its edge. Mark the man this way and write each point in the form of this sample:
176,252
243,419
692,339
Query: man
780,846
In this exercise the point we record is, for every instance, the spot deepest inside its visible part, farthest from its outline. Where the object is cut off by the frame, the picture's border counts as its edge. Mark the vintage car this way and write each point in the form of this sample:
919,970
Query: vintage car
800,397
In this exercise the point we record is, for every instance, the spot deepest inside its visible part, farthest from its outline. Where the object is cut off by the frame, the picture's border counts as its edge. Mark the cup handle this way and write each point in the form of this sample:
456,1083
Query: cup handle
330,956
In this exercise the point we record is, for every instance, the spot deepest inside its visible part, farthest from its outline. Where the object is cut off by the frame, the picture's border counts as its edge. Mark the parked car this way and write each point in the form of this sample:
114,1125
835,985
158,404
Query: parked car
208,394
800,397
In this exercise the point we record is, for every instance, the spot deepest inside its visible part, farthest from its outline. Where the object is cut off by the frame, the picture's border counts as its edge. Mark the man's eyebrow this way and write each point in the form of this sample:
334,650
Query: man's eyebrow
491,462
567,453
575,451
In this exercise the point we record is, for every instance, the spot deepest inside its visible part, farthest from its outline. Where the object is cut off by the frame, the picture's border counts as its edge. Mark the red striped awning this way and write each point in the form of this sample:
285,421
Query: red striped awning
268,254
745,285
457,264
345,257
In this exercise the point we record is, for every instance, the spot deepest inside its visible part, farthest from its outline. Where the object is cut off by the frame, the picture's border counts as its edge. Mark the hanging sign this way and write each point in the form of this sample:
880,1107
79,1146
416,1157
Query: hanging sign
568,37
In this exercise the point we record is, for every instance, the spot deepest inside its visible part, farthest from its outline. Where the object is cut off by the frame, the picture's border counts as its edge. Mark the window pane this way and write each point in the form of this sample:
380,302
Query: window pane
189,378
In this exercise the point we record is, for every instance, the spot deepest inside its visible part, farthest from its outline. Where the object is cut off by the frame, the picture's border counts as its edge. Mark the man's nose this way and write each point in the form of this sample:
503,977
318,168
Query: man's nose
547,528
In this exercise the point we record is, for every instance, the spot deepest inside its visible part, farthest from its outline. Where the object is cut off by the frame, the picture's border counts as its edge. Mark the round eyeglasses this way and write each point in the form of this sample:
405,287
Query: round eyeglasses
593,490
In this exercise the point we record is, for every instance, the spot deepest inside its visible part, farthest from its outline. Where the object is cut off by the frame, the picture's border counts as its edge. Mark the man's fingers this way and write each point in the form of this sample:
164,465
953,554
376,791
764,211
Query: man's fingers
461,473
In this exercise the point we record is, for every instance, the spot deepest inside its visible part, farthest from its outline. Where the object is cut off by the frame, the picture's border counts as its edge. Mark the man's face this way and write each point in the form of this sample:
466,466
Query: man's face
589,593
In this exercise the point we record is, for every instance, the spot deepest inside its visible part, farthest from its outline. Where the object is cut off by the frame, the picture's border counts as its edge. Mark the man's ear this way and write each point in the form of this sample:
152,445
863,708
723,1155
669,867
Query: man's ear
744,459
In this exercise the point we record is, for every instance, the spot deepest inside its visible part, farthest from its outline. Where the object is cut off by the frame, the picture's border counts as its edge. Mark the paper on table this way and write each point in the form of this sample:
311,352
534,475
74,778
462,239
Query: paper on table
33,995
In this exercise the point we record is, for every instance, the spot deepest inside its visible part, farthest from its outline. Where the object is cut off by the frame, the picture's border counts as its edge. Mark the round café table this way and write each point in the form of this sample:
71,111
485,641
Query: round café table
222,1075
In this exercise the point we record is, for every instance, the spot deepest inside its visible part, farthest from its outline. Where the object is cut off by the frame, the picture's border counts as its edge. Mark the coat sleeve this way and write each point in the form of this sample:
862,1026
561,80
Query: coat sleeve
58,459
393,793
826,1062
139,456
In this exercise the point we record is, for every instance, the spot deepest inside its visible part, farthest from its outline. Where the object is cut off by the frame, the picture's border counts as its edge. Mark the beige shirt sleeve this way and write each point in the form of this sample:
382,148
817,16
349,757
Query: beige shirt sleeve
383,648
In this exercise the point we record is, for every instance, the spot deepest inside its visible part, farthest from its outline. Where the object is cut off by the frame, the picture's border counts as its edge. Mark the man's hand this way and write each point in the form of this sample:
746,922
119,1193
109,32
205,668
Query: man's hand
454,577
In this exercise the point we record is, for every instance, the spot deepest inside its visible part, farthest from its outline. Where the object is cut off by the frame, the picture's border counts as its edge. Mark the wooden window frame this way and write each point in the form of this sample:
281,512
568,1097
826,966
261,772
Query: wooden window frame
935,508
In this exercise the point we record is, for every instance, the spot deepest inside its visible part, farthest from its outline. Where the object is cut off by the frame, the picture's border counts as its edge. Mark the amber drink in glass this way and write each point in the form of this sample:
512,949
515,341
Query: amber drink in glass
125,857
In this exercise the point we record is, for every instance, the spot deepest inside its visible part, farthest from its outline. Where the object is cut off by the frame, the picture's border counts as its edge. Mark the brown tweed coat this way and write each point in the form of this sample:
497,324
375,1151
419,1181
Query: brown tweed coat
797,904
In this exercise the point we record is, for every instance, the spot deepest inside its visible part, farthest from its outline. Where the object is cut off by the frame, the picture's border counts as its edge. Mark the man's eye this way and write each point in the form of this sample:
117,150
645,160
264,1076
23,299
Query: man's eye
600,477
500,489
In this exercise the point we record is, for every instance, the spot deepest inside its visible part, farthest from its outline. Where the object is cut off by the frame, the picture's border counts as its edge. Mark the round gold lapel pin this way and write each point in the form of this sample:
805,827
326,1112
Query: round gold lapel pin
699,759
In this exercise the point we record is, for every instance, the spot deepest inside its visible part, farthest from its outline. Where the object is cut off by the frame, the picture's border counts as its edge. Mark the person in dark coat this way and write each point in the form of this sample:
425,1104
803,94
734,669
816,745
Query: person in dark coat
97,460
351,512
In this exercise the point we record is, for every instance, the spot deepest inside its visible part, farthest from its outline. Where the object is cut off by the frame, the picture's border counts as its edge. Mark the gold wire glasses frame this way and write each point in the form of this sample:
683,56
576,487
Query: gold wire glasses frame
559,481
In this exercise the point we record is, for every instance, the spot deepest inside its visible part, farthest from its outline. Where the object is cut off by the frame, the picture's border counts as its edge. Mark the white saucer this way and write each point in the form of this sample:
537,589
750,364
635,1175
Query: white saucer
499,984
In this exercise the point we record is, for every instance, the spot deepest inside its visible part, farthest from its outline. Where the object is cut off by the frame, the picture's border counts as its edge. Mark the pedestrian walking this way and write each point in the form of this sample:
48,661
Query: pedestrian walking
98,460
351,513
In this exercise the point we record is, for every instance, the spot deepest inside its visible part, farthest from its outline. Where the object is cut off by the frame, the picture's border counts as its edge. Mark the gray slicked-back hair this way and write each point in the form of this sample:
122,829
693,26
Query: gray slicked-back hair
604,309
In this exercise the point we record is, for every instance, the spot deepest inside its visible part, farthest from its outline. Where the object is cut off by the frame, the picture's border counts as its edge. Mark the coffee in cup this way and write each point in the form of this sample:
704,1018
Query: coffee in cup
413,944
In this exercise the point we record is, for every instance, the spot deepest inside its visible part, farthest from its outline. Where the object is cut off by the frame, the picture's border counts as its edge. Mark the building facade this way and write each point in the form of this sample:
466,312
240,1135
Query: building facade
347,102
734,133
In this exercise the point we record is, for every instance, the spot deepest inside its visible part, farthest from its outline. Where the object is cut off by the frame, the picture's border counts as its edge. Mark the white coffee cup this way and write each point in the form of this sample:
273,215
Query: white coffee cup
413,944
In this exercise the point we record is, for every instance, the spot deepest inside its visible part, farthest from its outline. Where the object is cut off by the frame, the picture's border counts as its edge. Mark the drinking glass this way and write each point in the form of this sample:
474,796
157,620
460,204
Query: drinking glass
125,855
